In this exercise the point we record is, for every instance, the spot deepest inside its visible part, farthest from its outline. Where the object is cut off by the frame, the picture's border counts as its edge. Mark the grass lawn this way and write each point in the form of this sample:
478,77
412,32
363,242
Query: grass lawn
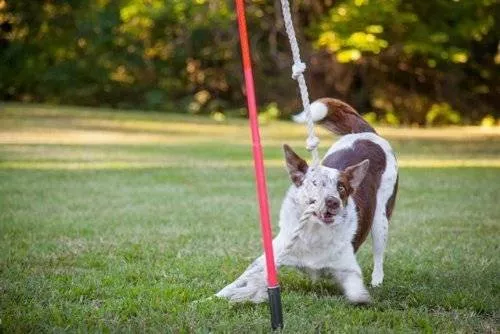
128,222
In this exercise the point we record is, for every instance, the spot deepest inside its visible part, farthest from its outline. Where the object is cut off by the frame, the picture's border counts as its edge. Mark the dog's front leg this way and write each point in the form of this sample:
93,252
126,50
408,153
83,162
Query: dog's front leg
251,285
348,274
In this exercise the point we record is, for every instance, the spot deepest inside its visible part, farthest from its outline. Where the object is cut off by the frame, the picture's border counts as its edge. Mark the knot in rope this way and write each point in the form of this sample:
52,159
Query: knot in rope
298,69
312,143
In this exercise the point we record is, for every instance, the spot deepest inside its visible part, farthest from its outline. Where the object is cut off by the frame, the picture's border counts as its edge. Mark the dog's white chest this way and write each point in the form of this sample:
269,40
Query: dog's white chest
319,245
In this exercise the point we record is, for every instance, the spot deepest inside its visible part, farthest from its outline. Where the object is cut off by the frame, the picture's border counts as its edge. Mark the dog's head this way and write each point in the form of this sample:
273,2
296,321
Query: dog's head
327,188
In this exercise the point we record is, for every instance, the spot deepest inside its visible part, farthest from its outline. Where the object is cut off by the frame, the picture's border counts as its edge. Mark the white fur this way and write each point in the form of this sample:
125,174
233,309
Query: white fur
321,247
318,111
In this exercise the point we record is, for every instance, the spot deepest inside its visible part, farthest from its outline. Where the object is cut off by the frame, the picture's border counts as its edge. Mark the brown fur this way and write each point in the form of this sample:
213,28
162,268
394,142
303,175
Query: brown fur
344,181
342,119
365,196
297,167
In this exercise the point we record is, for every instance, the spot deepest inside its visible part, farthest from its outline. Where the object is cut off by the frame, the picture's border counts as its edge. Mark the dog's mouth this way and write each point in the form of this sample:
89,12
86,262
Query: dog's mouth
327,217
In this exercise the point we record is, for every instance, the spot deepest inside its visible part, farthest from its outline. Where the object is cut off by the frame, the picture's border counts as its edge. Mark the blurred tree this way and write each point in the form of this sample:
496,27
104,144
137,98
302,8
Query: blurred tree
398,58
410,54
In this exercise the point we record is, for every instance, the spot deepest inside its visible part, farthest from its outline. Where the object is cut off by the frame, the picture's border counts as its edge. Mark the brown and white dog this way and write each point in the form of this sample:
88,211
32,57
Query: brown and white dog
353,190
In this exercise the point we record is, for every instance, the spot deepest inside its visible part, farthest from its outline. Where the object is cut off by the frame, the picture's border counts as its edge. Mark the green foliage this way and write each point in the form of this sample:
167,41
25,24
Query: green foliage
161,55
370,117
488,121
409,50
442,114
391,118
120,53
269,113
218,116
440,31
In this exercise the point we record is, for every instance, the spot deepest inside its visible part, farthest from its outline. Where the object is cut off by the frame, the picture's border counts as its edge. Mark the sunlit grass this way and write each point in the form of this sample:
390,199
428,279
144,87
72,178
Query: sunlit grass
50,136
23,124
99,165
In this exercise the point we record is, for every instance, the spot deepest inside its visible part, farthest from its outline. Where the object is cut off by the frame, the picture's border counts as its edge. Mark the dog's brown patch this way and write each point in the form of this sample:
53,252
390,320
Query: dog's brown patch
342,119
297,167
347,189
365,196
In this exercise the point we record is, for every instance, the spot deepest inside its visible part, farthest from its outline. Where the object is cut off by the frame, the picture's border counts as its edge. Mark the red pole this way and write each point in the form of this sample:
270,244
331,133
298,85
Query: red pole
260,175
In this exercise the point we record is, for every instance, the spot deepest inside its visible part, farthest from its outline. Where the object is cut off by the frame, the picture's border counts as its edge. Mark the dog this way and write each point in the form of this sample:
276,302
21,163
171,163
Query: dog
352,192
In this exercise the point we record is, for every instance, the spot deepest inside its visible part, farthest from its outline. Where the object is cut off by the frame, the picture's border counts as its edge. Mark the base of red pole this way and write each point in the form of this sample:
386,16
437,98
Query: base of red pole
274,294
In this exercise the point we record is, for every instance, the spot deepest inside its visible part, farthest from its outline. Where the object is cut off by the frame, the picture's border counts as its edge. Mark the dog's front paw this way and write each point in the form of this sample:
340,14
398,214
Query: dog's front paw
226,292
251,290
377,278
361,297
244,294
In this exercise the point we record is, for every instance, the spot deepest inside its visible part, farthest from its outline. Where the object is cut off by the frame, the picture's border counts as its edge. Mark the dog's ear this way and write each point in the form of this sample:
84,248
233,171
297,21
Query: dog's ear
356,173
297,167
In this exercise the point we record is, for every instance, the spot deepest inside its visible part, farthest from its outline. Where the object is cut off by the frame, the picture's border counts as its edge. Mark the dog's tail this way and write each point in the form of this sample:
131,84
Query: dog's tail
336,116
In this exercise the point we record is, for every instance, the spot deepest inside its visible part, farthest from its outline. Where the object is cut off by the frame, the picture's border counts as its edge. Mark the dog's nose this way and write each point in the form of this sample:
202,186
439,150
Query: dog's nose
332,203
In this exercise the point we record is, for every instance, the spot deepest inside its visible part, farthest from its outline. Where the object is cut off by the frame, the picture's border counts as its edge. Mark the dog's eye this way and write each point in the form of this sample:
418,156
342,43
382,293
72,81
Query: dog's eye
340,189
311,201
315,183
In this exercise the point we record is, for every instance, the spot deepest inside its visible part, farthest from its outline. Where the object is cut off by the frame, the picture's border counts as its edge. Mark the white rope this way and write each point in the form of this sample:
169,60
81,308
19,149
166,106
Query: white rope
312,141
298,69
297,232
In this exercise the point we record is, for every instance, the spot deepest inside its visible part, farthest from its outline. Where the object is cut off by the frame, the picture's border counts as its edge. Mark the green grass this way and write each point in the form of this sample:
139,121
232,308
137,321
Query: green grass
128,222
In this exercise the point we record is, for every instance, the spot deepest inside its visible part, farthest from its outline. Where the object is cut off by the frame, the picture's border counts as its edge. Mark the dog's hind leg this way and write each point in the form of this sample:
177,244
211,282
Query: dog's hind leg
379,234
386,198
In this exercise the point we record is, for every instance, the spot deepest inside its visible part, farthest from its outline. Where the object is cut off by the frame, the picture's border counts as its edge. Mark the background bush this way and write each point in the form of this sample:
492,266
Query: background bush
406,62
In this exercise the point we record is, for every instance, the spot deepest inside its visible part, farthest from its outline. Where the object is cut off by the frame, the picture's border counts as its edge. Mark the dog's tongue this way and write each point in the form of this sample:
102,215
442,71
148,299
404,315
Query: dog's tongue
328,217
